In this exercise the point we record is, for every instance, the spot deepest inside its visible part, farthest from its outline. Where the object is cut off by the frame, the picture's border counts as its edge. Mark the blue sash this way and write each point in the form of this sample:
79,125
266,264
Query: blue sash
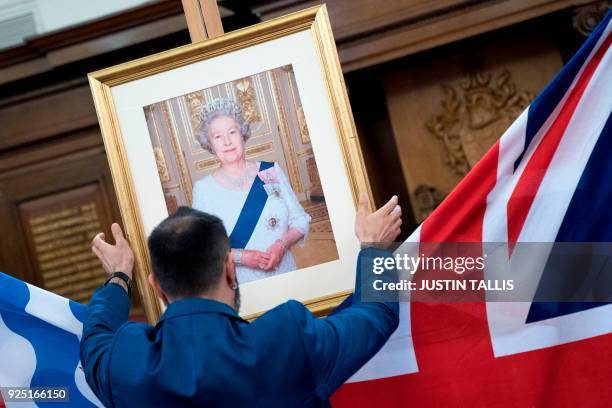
251,211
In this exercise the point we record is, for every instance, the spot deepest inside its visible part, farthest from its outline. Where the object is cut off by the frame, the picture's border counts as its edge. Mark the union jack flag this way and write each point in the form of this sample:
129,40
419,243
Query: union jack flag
547,179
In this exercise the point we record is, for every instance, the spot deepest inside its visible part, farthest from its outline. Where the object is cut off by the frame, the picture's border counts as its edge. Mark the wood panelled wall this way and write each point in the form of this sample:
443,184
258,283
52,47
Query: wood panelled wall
55,184
448,108
370,32
55,191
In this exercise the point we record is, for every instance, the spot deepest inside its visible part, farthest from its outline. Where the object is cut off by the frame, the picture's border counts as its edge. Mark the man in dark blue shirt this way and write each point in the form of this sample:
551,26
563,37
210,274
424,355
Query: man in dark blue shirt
201,352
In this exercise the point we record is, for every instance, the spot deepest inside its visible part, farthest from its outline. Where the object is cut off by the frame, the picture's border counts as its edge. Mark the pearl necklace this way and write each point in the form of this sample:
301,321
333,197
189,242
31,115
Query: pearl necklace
238,182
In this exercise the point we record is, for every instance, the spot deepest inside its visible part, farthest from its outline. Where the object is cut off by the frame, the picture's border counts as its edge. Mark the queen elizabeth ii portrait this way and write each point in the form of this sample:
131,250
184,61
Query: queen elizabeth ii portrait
254,128
241,150
259,209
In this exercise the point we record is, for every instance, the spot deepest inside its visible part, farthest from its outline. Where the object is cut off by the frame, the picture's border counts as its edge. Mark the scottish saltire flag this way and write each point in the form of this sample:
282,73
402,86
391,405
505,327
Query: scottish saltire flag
39,343
547,179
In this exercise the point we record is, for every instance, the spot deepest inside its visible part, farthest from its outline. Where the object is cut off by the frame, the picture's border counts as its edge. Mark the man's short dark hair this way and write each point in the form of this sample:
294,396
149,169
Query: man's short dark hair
188,250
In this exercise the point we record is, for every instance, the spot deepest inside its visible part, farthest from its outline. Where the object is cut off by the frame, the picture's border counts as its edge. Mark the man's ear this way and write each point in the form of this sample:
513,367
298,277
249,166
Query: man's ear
157,289
230,269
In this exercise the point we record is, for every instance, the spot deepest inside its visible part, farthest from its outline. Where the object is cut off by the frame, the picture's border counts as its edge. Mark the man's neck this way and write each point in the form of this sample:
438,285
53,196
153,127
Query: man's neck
218,295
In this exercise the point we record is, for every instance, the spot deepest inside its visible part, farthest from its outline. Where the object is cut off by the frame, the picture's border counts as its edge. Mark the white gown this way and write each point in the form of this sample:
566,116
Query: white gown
281,212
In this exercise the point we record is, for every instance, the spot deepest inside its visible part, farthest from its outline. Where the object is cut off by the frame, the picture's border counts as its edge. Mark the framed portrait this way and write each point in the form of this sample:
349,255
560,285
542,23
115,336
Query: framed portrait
254,127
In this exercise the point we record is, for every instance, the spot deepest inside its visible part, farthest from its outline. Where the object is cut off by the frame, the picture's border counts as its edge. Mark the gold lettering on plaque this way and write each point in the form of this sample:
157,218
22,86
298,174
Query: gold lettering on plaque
474,115
62,242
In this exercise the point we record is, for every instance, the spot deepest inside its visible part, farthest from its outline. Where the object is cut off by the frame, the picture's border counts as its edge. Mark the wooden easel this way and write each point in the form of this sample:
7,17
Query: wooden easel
203,19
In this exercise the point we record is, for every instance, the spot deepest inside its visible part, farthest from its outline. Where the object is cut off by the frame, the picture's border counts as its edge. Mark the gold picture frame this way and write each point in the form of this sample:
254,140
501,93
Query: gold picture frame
103,83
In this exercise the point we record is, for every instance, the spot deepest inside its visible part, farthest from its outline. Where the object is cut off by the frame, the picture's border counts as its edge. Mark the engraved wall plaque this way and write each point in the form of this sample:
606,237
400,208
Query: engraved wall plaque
60,228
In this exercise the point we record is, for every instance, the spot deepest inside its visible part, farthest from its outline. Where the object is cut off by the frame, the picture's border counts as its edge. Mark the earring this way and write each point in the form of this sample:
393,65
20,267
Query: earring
234,286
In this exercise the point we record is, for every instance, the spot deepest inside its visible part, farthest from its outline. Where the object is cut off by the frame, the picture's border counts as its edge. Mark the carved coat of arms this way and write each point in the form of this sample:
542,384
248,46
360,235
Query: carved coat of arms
474,115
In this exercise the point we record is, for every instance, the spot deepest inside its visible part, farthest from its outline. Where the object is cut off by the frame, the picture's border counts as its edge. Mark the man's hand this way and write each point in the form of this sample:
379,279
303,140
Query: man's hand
114,258
380,226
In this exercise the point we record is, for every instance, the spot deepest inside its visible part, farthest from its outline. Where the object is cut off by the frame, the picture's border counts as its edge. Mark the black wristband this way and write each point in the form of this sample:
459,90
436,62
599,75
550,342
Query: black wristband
123,277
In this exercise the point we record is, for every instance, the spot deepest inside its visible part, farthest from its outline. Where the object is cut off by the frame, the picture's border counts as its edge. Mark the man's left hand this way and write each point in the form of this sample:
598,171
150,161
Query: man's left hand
114,258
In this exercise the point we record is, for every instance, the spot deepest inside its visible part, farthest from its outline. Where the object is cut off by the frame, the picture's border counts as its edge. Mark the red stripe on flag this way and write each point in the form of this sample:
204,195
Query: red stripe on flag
570,375
527,187
460,216
445,335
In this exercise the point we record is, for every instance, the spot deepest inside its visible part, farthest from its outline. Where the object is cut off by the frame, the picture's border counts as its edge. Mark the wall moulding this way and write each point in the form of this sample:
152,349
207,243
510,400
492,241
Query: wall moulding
372,32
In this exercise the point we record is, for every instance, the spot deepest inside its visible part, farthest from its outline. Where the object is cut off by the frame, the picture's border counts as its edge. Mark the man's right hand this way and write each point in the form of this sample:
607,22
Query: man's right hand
114,258
380,226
